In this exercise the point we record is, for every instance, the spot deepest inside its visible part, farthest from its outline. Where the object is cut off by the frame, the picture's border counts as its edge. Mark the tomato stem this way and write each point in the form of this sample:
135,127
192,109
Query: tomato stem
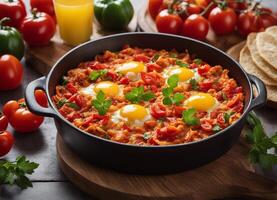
207,8
35,13
22,105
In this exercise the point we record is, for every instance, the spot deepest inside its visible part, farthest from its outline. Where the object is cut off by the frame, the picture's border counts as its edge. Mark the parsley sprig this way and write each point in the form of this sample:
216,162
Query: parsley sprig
260,143
94,75
181,63
189,117
169,97
194,84
61,102
15,172
137,95
101,104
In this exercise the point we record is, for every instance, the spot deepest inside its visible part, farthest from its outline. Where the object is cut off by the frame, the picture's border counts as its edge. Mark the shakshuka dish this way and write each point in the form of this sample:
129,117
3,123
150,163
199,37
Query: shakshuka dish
149,97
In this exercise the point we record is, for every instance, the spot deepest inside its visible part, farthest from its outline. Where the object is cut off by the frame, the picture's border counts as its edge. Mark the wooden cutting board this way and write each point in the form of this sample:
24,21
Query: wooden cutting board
147,24
227,177
41,59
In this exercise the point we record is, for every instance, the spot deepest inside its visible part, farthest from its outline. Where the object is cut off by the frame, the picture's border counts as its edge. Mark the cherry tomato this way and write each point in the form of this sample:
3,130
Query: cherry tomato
155,6
223,21
41,98
249,22
13,9
196,26
153,67
3,122
11,72
38,28
43,6
167,133
158,110
268,18
191,9
20,118
236,5
6,142
205,85
168,23
203,3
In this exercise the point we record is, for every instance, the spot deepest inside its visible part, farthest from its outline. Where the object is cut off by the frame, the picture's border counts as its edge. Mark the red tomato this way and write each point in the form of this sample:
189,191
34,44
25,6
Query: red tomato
220,118
155,6
41,98
236,5
268,18
21,119
223,21
124,81
205,85
38,28
141,58
148,78
192,9
168,23
249,22
3,122
158,110
153,67
6,142
112,75
203,69
11,72
13,9
43,6
71,88
196,26
206,126
167,132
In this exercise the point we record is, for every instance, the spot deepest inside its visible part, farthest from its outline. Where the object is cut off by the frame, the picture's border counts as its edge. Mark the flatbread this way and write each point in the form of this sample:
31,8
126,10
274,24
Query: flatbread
248,64
264,66
234,51
272,30
267,48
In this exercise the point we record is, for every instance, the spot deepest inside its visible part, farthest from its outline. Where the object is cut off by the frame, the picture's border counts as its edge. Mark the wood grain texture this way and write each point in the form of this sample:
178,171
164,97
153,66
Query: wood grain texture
42,59
147,24
228,176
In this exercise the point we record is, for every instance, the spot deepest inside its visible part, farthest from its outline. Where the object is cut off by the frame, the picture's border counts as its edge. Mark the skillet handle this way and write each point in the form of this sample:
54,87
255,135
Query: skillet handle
31,102
261,98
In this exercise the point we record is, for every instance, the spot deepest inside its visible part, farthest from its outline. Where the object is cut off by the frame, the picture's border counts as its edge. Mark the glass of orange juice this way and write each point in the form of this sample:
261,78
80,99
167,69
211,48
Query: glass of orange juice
74,19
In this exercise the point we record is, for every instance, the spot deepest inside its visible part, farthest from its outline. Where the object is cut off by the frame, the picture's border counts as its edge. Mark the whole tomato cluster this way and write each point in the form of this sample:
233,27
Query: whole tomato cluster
193,18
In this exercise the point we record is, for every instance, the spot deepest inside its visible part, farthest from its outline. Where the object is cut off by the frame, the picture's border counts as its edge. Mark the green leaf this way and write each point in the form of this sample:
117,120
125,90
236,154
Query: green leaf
61,102
73,105
181,63
147,136
23,182
254,156
27,166
167,101
155,57
100,104
167,91
97,74
3,174
227,116
197,61
173,55
216,128
172,81
194,84
267,161
189,117
177,98
137,95
100,96
148,96
274,139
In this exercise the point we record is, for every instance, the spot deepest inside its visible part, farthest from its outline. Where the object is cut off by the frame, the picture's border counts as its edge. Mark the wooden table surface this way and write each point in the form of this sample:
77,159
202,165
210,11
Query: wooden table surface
49,183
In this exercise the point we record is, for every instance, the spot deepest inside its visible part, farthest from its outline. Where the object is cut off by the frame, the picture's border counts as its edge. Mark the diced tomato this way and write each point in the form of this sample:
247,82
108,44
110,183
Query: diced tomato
148,79
154,88
80,101
112,75
206,126
167,133
71,88
178,110
238,90
67,95
233,102
238,107
124,81
141,58
125,127
158,110
73,115
193,66
220,118
105,120
205,85
92,118
97,66
153,67
203,69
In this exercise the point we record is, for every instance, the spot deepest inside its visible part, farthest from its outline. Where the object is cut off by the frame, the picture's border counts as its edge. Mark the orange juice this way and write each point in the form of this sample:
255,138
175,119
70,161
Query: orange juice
74,19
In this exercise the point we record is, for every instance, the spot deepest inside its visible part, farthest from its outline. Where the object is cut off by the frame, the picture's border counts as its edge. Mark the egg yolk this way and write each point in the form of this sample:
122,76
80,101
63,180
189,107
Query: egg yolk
132,66
109,88
183,73
201,101
133,112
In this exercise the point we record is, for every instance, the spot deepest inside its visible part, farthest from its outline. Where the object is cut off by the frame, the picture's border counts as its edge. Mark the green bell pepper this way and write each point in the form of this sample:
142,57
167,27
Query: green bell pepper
113,14
10,41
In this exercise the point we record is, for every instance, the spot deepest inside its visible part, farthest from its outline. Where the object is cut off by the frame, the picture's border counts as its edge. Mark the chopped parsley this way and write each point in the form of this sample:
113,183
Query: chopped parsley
101,104
181,63
155,57
227,116
137,95
197,61
61,102
216,128
189,117
194,84
97,74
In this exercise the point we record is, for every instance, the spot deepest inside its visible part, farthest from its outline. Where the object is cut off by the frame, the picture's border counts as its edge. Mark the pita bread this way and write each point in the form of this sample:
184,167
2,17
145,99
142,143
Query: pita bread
258,60
272,30
248,64
234,51
267,48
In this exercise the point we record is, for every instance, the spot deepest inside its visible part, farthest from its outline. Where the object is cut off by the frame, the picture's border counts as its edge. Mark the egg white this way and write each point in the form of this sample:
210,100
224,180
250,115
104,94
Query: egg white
89,90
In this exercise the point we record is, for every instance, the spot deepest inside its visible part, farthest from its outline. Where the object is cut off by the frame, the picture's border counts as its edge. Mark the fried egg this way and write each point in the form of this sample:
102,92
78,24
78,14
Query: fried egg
133,114
131,66
202,102
184,74
109,88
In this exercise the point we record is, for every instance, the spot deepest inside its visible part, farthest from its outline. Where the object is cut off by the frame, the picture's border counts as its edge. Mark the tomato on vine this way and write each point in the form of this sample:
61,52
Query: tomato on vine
169,22
196,26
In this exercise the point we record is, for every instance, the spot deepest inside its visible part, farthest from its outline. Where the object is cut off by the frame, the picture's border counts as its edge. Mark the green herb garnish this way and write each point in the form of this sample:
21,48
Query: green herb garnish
227,116
15,172
197,61
216,128
260,143
137,95
181,63
64,81
155,57
189,117
101,104
173,55
61,102
147,136
169,97
97,74
194,84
